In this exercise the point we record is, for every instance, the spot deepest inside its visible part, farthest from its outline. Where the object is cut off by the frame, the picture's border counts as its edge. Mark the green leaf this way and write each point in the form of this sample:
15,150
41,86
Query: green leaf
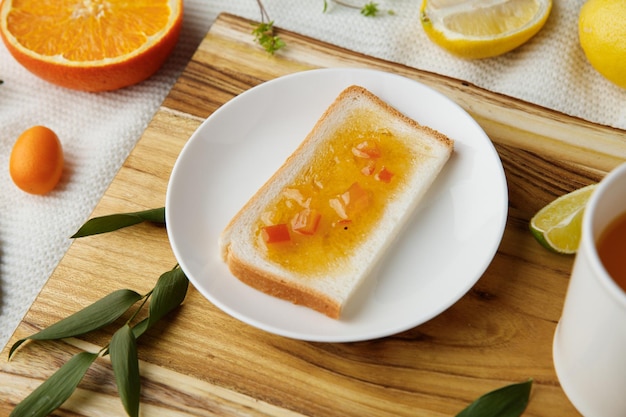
141,327
53,392
169,292
97,315
508,401
370,9
264,35
114,222
123,351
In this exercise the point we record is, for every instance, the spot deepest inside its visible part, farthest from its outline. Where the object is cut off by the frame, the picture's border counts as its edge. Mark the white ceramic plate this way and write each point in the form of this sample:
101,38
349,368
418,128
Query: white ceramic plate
441,254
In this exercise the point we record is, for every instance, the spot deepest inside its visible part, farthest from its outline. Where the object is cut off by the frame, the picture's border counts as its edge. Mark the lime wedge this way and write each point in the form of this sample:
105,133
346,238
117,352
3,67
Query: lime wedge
558,225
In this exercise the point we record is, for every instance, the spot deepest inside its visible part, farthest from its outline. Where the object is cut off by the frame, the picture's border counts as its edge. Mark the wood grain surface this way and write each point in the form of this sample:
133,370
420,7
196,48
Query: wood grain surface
201,362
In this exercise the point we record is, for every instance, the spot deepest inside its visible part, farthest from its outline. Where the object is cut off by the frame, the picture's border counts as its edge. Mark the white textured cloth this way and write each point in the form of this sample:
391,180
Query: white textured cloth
99,130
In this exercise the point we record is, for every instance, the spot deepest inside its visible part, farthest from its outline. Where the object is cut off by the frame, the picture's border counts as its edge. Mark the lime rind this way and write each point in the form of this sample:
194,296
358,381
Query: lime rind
538,235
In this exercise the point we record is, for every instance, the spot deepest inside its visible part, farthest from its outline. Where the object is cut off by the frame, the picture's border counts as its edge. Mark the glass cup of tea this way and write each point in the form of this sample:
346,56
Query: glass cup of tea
589,348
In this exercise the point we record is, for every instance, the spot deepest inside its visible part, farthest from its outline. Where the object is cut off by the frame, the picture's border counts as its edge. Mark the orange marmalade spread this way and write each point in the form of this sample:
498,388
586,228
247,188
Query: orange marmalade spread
334,202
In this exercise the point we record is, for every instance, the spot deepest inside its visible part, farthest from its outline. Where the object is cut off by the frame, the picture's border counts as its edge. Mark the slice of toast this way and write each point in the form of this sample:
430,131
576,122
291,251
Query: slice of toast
339,201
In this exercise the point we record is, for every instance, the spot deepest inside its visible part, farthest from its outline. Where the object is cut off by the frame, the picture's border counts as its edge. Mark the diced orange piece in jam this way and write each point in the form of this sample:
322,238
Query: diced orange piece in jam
367,150
295,195
384,175
355,200
276,233
306,221
338,205
369,168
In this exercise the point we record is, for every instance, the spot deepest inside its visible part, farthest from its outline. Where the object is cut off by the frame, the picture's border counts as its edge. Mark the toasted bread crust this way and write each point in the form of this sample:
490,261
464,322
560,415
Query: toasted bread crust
268,281
355,89
274,286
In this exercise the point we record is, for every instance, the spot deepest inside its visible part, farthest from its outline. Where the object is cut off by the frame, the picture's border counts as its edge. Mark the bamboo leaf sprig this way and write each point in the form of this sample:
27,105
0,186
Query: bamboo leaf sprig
112,222
168,293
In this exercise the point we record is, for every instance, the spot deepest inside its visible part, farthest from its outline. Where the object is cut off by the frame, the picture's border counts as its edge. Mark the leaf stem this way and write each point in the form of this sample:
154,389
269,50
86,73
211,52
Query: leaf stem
265,17
344,4
143,303
368,9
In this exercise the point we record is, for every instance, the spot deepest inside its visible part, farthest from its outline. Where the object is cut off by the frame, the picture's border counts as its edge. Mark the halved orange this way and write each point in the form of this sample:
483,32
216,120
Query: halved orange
91,45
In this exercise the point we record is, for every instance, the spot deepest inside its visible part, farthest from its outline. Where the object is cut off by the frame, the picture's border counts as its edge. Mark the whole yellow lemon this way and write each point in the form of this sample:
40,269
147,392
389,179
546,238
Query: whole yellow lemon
602,34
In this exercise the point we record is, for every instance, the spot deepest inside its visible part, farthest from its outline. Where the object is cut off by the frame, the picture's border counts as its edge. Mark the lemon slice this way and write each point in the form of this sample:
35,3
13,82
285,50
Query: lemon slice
558,225
475,29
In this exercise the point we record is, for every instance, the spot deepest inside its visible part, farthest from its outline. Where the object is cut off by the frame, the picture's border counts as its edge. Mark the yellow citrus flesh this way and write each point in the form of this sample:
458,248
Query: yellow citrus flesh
475,29
602,35
91,45
558,225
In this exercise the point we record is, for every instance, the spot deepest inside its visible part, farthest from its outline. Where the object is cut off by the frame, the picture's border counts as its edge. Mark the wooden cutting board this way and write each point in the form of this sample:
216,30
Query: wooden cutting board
201,362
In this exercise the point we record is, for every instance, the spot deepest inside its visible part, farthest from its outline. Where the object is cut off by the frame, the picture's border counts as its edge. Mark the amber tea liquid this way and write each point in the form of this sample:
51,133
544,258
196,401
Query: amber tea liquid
612,250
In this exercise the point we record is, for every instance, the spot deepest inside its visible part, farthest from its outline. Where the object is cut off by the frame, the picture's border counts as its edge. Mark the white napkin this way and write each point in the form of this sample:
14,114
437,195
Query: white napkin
99,130
550,70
